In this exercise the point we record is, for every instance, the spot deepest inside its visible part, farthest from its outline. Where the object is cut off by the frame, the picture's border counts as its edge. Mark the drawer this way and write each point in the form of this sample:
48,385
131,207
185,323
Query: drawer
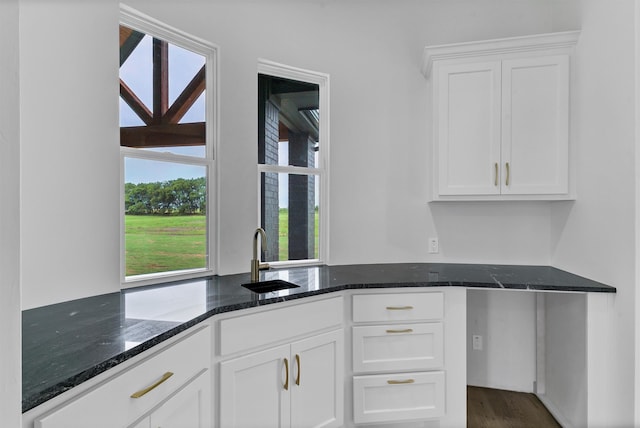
398,307
278,324
110,404
399,397
398,347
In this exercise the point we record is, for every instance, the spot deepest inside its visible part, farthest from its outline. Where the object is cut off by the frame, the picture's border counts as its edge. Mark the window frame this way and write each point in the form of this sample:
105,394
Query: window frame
275,69
157,29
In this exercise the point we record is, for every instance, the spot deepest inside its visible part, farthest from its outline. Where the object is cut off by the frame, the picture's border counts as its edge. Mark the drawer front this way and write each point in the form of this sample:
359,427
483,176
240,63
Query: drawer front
398,307
398,347
110,404
278,324
398,397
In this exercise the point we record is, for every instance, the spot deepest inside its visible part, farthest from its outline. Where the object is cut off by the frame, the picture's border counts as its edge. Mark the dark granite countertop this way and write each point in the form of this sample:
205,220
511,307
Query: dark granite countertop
68,343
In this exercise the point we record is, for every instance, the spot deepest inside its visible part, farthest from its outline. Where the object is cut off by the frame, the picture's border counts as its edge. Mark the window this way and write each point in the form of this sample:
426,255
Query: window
166,143
292,156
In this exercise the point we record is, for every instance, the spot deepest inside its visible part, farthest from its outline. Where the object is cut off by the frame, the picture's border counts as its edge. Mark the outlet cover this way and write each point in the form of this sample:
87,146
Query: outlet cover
477,342
434,246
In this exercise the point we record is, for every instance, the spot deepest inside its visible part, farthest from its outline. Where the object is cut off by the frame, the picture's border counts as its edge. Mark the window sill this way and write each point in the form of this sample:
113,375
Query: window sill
160,278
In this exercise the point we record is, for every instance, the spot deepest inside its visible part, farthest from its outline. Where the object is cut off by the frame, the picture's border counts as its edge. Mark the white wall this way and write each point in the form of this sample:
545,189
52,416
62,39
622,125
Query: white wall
10,319
506,322
595,236
70,150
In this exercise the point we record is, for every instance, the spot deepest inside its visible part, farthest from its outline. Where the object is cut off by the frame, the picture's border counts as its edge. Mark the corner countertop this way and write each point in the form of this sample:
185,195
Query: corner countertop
68,343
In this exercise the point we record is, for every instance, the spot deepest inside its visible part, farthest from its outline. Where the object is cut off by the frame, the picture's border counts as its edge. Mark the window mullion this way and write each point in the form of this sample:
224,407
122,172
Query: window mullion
283,169
164,156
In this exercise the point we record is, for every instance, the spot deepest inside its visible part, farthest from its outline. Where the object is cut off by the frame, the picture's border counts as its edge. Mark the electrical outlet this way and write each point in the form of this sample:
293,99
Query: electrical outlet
433,246
477,342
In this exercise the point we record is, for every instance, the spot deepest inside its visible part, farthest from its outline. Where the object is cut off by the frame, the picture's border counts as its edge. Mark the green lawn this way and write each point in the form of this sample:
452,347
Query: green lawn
164,243
283,244
168,243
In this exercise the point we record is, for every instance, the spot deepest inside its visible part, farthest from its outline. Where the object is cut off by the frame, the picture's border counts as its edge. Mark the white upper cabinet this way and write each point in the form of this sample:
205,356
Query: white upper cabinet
501,118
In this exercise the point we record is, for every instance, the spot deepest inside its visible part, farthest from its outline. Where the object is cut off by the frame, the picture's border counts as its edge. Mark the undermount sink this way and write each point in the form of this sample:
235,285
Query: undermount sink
269,286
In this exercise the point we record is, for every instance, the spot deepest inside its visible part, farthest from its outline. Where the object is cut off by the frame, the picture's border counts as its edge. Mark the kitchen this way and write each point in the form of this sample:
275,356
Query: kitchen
361,45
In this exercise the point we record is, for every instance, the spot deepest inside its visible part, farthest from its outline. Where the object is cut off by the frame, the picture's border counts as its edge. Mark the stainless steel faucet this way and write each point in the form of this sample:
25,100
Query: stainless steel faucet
255,262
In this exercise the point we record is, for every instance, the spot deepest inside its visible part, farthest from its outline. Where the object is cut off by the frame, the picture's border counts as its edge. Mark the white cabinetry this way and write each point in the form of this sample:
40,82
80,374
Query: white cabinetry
252,390
501,118
408,335
299,383
170,388
188,408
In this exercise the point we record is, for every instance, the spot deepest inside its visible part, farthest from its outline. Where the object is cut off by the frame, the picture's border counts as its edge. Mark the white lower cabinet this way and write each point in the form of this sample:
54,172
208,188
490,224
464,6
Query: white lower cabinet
394,335
397,347
398,397
170,388
188,408
252,390
317,393
295,385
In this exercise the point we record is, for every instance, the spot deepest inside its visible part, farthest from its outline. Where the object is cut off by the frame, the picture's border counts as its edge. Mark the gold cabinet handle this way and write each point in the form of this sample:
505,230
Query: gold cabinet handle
286,369
400,382
495,182
298,364
399,308
406,330
142,392
508,174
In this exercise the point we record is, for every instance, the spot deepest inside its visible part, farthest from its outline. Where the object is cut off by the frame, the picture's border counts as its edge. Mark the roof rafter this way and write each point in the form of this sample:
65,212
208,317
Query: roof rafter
135,103
129,40
185,100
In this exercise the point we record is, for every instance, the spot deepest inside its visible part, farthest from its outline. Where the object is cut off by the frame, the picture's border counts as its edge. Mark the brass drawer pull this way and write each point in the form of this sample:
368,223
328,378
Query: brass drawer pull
399,308
298,364
142,392
508,174
495,183
286,369
406,330
400,382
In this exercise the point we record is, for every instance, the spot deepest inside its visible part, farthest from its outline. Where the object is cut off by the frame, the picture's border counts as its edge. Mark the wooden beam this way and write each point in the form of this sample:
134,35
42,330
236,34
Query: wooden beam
125,32
165,135
129,40
185,101
160,79
283,132
135,103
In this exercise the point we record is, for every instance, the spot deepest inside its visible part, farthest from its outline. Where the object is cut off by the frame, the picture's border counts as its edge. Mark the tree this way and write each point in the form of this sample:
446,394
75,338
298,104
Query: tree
179,196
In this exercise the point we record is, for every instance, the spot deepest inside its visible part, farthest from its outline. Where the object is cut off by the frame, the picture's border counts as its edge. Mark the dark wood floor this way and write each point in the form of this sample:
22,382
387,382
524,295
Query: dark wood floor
496,408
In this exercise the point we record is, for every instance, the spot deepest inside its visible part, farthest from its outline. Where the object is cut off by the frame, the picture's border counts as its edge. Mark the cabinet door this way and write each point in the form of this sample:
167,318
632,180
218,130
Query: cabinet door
255,390
189,408
317,396
468,128
535,125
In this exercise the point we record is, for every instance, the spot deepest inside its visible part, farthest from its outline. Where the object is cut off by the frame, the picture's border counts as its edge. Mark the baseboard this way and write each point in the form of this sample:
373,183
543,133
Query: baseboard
554,411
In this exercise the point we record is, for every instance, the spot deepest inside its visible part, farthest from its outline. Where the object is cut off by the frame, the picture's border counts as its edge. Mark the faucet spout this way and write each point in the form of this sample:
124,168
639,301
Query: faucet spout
255,262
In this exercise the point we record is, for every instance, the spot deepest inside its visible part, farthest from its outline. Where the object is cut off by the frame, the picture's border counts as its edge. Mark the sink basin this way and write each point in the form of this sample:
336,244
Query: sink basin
269,286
